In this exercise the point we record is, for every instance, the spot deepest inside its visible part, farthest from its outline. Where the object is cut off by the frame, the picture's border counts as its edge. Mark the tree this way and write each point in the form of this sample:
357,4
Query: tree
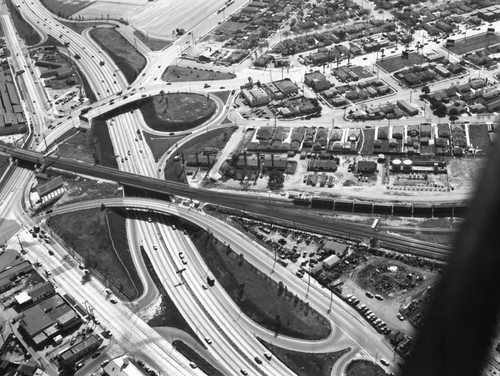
440,110
276,180
426,89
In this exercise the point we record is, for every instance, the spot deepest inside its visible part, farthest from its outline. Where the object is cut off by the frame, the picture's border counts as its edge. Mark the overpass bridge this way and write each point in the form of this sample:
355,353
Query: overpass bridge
281,211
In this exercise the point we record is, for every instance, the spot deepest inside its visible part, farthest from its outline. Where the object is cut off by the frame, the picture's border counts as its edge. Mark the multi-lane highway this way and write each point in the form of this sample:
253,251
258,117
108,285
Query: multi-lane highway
348,330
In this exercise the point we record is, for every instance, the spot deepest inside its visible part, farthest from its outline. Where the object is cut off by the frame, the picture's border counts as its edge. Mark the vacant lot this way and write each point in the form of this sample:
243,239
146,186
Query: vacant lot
216,138
176,73
25,30
64,8
77,146
477,42
393,64
364,368
306,364
258,296
174,112
480,138
80,189
100,238
125,56
369,136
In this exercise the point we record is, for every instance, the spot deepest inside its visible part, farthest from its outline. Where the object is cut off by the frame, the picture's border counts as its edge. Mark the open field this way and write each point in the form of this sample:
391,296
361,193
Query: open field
306,364
477,42
65,8
393,64
177,73
125,56
89,233
153,43
364,368
174,112
258,296
215,138
194,357
77,146
25,30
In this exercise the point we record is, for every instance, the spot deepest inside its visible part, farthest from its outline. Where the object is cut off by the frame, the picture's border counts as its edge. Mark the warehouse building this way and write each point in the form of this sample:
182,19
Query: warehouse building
79,350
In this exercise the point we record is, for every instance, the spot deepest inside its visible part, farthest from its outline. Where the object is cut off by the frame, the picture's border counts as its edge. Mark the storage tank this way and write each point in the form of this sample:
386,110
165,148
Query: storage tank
396,165
407,165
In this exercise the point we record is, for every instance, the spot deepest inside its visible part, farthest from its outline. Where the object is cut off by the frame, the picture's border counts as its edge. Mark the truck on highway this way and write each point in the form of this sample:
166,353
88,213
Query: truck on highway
20,71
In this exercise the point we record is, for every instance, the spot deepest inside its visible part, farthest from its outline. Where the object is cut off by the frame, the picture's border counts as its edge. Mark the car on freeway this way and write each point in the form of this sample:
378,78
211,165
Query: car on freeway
208,340
204,287
79,365
193,365
243,371
384,362
47,240
155,247
258,360
107,291
51,252
48,273
113,300
268,355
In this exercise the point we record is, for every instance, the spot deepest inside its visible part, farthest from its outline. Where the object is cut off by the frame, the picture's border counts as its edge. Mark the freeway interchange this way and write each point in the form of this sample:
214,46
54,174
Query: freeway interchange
211,313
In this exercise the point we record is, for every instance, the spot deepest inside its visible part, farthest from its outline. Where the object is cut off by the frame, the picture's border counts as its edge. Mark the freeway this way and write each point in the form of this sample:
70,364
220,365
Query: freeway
280,209
349,331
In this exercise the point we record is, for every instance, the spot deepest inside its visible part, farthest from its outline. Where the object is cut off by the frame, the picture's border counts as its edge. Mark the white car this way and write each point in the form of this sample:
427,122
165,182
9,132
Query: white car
155,247
384,362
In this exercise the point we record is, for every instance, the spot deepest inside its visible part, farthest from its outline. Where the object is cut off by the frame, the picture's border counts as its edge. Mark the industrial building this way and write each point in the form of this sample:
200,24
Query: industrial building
317,81
256,97
79,350
44,321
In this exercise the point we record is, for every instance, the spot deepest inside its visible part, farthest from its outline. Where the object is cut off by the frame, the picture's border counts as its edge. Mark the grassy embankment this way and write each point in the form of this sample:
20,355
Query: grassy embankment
100,238
258,296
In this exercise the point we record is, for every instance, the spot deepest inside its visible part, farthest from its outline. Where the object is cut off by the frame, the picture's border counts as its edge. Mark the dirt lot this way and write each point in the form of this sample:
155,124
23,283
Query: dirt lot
364,368
390,279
